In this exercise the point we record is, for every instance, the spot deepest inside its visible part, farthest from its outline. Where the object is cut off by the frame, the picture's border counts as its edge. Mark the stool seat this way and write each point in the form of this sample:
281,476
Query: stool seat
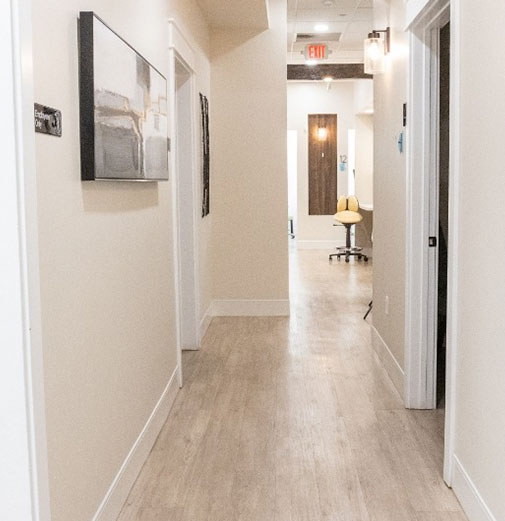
348,217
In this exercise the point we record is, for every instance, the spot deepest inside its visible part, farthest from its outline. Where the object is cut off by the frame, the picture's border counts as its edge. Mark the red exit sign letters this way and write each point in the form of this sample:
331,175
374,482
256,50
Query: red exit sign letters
316,51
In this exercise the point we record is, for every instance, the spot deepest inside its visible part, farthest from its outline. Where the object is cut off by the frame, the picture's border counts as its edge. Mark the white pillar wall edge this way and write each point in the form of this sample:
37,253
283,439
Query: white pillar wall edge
24,492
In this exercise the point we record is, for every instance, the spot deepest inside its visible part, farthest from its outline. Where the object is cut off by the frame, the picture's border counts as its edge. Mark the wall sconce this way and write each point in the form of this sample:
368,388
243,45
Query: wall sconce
322,133
376,49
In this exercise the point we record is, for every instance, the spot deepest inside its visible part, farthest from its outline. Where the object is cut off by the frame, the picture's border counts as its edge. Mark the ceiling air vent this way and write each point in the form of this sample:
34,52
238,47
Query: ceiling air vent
317,37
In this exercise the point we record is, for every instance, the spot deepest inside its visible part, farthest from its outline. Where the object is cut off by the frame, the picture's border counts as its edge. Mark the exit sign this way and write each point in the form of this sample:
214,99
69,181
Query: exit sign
316,51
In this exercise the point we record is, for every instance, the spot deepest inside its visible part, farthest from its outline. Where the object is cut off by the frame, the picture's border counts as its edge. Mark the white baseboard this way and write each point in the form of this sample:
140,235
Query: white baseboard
389,362
472,502
250,308
319,245
205,322
118,492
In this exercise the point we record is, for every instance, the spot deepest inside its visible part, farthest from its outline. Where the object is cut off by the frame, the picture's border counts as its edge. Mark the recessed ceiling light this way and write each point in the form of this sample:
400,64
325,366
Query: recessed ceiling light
328,3
321,28
311,63
328,79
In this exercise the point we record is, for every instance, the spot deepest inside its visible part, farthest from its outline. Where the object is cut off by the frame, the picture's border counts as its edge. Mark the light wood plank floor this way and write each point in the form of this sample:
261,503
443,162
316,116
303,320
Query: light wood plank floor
295,420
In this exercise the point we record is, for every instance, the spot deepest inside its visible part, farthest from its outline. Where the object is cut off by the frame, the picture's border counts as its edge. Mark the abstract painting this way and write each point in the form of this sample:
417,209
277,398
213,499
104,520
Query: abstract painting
204,105
123,108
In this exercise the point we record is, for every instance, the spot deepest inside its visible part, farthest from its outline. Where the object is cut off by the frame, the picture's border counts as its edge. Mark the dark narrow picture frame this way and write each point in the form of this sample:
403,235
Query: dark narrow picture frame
86,95
87,102
204,106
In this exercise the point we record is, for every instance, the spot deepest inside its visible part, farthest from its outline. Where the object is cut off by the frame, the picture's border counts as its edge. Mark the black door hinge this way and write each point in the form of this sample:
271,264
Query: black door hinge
432,242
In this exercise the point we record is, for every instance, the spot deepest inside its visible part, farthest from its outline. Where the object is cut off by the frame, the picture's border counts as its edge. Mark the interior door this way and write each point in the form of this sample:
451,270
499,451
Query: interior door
323,164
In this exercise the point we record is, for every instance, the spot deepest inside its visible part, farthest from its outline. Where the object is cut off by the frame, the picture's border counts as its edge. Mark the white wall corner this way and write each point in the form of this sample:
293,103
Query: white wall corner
250,308
470,498
118,492
319,245
389,362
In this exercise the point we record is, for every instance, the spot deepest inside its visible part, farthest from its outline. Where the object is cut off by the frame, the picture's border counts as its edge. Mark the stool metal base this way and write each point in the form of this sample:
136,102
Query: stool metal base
347,253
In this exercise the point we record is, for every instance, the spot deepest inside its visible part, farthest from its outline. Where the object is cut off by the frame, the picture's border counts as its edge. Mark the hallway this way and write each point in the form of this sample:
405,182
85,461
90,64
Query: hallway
294,420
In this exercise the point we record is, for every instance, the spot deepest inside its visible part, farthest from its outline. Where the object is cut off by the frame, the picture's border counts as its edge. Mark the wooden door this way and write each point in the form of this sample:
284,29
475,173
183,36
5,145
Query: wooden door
323,164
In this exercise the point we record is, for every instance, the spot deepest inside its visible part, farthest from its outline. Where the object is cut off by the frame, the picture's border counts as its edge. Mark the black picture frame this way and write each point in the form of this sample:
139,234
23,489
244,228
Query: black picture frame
153,150
204,107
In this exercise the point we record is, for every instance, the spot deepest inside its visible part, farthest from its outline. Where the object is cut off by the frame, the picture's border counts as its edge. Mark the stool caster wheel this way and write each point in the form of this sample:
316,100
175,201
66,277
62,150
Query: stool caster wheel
365,259
347,259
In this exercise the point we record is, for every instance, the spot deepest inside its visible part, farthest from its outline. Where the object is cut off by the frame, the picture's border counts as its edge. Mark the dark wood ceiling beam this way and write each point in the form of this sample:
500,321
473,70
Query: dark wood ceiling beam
338,71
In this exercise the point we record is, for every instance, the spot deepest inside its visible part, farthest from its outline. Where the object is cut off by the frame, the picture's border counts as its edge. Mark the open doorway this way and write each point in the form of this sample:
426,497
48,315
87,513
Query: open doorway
441,215
186,206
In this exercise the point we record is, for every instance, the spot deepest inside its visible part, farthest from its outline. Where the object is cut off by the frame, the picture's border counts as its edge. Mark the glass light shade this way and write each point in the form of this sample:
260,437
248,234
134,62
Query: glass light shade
322,133
375,57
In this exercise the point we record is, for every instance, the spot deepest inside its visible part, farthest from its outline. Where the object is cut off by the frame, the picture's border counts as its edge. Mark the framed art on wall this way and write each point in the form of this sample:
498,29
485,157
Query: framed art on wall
204,106
123,108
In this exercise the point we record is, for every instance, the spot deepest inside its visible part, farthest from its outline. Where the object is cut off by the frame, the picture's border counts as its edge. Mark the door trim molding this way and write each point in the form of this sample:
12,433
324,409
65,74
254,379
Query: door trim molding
182,50
24,474
454,208
420,348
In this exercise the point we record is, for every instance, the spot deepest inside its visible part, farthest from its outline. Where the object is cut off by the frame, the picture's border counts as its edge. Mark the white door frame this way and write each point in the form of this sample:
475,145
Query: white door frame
24,492
422,169
181,51
190,334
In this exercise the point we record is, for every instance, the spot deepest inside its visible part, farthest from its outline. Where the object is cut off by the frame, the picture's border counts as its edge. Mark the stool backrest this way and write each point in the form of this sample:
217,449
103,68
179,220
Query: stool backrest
352,203
347,203
342,203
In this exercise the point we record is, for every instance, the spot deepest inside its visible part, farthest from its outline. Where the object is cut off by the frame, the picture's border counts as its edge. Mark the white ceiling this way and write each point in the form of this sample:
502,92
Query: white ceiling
352,18
236,13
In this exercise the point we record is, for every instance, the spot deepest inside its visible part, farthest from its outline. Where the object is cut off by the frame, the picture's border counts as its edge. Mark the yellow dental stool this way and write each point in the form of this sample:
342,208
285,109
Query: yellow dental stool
348,215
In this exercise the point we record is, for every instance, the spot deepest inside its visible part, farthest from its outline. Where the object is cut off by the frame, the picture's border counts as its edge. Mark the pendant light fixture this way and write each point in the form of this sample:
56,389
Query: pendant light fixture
376,49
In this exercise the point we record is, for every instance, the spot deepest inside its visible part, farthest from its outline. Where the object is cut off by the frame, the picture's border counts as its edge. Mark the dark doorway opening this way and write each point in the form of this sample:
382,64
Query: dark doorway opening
443,208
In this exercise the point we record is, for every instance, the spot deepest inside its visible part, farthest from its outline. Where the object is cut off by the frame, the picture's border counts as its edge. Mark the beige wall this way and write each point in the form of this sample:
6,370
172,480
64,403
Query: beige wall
205,224
249,172
390,92
363,96
105,266
480,396
364,158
